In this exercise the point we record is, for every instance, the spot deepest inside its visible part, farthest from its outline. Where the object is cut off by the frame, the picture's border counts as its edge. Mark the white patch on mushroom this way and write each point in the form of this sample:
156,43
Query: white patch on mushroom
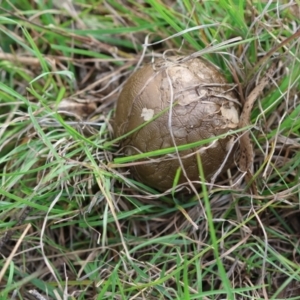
147,114
231,114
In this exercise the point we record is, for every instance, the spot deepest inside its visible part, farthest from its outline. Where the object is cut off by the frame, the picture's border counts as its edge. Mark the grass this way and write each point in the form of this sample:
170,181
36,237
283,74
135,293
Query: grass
74,224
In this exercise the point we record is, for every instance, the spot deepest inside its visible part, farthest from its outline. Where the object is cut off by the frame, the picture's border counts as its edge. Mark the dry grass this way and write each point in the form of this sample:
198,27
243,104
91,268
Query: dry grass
75,227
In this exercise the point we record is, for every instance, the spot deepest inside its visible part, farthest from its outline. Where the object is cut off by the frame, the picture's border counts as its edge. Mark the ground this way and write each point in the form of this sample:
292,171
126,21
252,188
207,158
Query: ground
74,224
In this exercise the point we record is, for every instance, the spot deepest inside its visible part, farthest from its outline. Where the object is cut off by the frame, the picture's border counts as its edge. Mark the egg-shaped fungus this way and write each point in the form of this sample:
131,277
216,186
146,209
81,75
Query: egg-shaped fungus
183,101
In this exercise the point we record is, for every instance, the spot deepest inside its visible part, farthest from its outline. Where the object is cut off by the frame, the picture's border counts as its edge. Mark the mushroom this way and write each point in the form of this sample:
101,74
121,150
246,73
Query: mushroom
183,101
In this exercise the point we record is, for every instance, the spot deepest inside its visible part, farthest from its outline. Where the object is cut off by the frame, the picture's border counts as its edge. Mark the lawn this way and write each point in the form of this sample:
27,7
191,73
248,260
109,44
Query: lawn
75,224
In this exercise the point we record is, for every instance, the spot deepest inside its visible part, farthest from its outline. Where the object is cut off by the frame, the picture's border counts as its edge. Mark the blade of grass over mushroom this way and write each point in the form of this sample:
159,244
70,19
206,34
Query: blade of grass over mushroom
121,160
107,144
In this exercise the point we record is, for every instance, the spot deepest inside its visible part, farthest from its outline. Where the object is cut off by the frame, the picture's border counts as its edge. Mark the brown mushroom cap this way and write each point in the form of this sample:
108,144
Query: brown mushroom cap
199,105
